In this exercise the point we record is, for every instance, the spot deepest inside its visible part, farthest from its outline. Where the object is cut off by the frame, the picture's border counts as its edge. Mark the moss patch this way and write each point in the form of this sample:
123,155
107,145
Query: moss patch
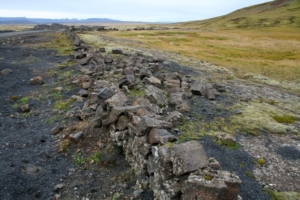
282,195
284,119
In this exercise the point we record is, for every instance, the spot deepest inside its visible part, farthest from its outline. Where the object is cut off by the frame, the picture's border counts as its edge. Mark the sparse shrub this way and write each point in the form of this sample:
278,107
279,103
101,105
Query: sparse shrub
96,157
78,159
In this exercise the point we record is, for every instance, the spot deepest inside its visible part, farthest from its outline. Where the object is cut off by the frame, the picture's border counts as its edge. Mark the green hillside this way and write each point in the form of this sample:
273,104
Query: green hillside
278,13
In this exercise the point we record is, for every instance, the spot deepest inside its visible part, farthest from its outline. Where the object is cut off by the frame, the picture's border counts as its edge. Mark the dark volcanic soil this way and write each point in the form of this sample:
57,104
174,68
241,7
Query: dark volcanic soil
30,166
30,163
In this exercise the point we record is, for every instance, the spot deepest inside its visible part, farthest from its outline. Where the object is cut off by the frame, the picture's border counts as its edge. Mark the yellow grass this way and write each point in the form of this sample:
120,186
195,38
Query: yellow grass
272,52
15,27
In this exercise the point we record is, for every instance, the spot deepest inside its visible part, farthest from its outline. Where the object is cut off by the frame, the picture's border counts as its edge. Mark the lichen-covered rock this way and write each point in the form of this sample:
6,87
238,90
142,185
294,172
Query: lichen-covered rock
221,185
117,100
152,81
148,123
160,136
188,157
156,96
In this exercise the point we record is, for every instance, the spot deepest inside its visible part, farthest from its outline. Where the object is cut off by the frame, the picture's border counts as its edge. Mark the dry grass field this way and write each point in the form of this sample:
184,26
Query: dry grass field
273,52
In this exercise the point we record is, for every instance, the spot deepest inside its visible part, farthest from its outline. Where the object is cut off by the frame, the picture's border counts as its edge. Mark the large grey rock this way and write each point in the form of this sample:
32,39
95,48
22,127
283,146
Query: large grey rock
188,157
119,99
156,96
205,185
177,98
152,81
172,85
106,93
160,136
198,88
128,110
174,117
148,123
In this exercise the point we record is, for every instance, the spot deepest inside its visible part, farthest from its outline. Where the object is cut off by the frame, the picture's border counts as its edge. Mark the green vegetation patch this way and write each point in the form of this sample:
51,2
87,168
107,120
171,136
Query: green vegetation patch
78,159
282,195
64,105
284,119
96,157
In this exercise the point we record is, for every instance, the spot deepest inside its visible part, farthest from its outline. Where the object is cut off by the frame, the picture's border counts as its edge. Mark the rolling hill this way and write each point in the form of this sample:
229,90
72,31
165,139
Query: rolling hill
278,13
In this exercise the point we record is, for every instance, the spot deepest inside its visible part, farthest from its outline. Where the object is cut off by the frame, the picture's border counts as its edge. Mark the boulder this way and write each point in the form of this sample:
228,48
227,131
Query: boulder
128,71
220,185
147,123
174,117
118,99
198,88
108,59
106,93
156,96
128,110
122,122
152,81
188,157
160,136
172,85
177,98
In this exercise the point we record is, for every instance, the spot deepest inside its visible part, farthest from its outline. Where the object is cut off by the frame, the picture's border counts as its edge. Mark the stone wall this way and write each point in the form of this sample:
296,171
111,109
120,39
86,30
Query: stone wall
143,128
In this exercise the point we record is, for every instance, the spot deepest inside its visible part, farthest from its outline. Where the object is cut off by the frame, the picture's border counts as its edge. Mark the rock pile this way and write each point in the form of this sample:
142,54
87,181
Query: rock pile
143,126
54,26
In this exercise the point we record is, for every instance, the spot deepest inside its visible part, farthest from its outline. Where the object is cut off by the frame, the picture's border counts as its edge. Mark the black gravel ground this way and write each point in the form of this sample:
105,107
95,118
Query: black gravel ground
239,162
29,164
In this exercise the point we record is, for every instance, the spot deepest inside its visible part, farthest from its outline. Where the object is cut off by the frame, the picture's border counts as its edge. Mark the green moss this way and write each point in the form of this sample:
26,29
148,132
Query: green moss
116,196
208,177
26,114
15,106
282,195
136,93
284,119
24,100
228,144
250,174
64,105
53,119
261,161
65,64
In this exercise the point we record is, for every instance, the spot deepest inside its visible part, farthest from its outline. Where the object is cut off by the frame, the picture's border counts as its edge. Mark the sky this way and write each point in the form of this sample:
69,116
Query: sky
129,10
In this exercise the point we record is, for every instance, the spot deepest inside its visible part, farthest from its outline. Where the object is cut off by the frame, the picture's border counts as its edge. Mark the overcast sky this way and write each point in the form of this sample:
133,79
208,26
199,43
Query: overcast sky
129,10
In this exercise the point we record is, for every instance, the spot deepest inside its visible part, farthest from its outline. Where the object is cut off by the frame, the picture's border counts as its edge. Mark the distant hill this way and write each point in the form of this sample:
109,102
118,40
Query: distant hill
278,13
24,20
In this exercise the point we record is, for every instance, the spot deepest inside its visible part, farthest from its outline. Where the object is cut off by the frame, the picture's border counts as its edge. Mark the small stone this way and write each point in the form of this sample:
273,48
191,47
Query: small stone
59,89
239,112
36,80
25,108
76,136
6,71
